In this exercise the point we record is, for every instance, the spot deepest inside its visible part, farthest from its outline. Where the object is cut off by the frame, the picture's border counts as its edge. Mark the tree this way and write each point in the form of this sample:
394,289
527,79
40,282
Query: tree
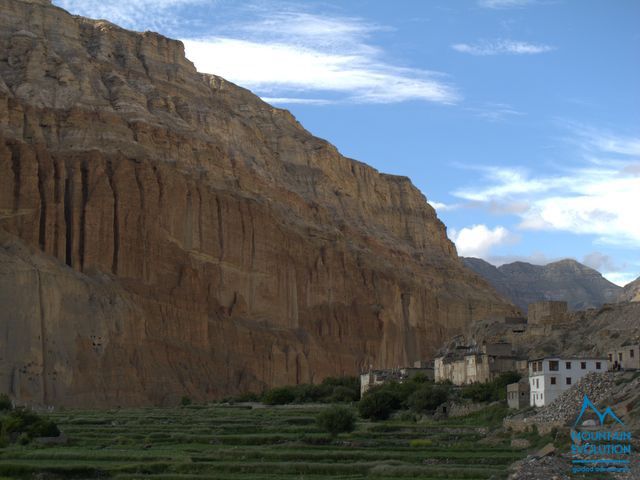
279,396
5,402
336,419
377,405
428,397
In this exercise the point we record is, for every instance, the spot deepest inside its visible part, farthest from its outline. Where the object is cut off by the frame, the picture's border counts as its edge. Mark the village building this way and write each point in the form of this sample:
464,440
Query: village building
626,357
472,365
518,394
547,312
373,378
550,376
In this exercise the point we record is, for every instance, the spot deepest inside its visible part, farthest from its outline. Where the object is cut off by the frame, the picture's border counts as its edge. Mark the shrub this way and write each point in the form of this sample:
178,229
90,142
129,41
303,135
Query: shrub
420,442
490,391
247,397
427,398
377,405
184,401
279,396
5,402
344,394
28,425
336,419
332,389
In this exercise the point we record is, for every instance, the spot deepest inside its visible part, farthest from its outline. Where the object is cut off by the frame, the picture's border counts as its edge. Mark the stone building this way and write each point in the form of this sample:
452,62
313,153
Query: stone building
550,376
373,378
626,357
547,313
518,394
473,365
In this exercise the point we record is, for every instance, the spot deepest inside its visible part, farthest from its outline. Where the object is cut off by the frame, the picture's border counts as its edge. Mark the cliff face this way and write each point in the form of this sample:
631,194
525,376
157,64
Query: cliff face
523,283
630,292
167,233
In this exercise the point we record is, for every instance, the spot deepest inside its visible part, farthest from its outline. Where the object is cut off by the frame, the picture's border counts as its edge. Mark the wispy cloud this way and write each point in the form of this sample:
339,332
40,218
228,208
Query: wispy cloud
442,207
282,51
478,240
495,112
598,198
295,100
501,4
621,278
501,47
133,14
287,54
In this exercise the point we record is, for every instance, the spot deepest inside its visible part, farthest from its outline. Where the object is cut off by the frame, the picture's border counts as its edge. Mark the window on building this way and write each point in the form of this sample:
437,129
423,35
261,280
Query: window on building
554,365
583,365
631,353
611,357
553,380
620,356
568,379
537,383
598,365
568,365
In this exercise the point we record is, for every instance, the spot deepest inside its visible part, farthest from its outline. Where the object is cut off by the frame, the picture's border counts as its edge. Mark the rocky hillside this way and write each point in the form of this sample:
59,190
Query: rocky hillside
630,292
523,283
167,233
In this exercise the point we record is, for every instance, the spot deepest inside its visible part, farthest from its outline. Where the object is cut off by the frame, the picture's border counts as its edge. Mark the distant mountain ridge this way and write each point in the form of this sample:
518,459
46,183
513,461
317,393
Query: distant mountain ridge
630,292
523,283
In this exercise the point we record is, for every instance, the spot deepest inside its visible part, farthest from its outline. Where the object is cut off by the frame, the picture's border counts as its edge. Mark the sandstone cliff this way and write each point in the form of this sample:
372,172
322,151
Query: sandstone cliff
167,233
523,283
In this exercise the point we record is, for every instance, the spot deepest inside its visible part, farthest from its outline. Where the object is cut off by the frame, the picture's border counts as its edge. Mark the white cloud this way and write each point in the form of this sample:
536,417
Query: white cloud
294,100
299,52
280,50
495,112
478,240
499,4
620,278
601,262
600,198
441,207
133,14
501,47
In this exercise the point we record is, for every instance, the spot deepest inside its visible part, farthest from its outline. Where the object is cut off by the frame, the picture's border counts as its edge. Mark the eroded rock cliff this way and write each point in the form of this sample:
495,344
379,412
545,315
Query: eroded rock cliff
167,233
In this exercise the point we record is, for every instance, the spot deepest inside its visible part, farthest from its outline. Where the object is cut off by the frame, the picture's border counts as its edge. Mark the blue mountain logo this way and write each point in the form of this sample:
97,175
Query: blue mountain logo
586,403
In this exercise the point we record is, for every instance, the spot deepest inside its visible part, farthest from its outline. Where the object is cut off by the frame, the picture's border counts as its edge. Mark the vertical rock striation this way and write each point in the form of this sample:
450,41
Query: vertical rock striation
166,233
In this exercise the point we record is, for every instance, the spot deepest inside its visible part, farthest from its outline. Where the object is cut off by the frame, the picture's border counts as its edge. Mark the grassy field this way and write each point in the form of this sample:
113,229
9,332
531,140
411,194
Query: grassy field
235,442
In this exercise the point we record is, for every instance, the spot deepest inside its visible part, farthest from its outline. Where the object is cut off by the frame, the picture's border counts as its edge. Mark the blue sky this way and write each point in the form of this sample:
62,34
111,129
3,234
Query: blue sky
518,119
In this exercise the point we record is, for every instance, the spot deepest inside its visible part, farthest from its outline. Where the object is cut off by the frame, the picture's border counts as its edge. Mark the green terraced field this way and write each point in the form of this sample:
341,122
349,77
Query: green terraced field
233,442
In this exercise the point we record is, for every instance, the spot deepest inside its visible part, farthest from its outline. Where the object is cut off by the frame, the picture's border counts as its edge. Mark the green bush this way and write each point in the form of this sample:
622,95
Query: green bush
420,442
377,404
279,396
247,397
28,425
490,391
184,401
344,394
335,420
427,398
331,390
5,402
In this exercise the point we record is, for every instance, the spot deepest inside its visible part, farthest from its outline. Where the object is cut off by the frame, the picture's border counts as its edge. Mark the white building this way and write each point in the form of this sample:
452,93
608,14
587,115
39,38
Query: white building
550,376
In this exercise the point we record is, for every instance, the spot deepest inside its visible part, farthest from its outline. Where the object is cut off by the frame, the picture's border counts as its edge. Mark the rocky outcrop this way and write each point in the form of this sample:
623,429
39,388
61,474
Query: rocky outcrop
630,292
167,233
523,283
